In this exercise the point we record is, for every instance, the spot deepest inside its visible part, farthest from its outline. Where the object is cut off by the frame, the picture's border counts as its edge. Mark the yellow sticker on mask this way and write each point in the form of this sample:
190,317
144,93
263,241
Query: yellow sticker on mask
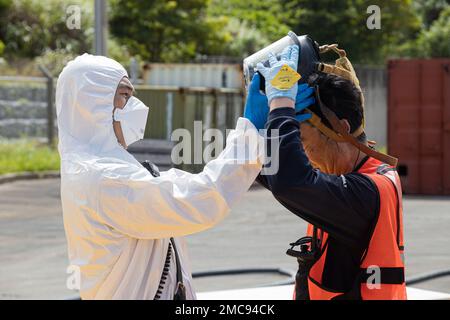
285,78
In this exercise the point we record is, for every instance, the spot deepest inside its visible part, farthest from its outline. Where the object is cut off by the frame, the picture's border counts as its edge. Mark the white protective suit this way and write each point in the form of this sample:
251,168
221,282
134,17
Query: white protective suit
118,218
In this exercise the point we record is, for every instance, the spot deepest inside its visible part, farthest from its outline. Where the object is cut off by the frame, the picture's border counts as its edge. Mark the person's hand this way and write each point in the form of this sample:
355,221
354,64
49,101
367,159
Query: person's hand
256,107
281,77
303,100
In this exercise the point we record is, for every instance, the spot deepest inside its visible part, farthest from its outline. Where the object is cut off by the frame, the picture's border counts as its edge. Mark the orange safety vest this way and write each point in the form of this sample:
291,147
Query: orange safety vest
382,266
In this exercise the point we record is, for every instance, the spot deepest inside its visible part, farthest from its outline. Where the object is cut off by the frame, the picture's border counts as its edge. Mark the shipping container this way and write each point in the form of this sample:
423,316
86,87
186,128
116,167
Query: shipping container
419,123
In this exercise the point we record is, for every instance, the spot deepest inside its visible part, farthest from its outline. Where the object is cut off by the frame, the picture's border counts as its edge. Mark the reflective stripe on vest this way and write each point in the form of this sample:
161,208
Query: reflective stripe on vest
382,265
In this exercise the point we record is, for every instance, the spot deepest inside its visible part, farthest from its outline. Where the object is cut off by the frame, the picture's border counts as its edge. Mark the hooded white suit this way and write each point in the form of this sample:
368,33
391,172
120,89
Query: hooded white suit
118,218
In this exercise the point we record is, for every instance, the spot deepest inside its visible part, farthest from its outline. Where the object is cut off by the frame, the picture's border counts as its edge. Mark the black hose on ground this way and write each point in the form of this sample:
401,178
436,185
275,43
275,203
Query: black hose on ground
414,280
227,272
428,276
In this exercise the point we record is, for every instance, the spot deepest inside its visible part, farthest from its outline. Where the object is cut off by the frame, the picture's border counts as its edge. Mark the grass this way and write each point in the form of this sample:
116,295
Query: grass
25,155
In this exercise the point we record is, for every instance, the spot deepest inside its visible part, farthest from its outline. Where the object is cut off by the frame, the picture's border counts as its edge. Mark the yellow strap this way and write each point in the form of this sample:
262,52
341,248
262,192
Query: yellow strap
343,67
328,68
338,127
345,64
317,122
334,47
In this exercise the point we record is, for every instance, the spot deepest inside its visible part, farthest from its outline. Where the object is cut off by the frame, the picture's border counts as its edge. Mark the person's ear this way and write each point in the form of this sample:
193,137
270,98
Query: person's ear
345,124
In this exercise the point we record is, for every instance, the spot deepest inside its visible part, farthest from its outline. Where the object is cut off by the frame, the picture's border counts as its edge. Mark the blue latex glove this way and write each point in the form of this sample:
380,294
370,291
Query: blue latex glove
256,107
303,100
289,56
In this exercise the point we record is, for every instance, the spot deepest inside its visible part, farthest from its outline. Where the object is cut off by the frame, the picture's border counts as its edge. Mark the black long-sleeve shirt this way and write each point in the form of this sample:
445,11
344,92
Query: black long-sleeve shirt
344,206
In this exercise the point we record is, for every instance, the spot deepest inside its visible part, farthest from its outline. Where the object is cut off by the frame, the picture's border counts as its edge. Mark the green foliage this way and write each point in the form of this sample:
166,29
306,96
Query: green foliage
53,60
120,52
250,25
160,30
244,39
429,10
433,42
31,27
24,35
344,22
183,30
27,155
5,6
265,16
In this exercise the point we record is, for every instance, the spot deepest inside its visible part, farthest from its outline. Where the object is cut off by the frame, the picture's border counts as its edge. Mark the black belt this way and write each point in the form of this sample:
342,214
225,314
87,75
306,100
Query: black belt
180,290
387,275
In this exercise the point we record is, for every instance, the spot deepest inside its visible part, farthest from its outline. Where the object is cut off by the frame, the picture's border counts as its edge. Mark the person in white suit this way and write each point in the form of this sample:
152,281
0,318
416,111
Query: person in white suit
120,219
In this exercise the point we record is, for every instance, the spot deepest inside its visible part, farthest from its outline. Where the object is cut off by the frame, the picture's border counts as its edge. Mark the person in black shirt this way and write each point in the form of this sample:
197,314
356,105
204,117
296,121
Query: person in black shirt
318,178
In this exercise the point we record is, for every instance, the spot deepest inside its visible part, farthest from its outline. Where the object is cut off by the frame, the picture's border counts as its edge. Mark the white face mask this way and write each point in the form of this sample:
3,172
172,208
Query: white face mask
133,118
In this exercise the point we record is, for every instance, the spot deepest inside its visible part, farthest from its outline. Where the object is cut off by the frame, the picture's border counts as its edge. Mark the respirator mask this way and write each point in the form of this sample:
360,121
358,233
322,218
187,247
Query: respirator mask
309,67
133,119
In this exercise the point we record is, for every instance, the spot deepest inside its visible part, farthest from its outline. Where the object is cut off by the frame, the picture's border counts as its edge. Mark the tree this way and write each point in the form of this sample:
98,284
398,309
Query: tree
344,22
32,27
435,41
244,38
430,10
266,16
250,25
166,31
5,5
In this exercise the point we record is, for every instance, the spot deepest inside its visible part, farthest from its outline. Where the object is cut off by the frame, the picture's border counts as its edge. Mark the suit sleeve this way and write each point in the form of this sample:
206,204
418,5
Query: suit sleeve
179,203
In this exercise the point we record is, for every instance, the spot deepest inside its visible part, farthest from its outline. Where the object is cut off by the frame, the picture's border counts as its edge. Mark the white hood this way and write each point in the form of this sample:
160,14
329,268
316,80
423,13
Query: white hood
84,103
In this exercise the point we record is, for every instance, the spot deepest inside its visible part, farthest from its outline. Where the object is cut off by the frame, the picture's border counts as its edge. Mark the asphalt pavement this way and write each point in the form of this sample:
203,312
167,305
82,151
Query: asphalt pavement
33,253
